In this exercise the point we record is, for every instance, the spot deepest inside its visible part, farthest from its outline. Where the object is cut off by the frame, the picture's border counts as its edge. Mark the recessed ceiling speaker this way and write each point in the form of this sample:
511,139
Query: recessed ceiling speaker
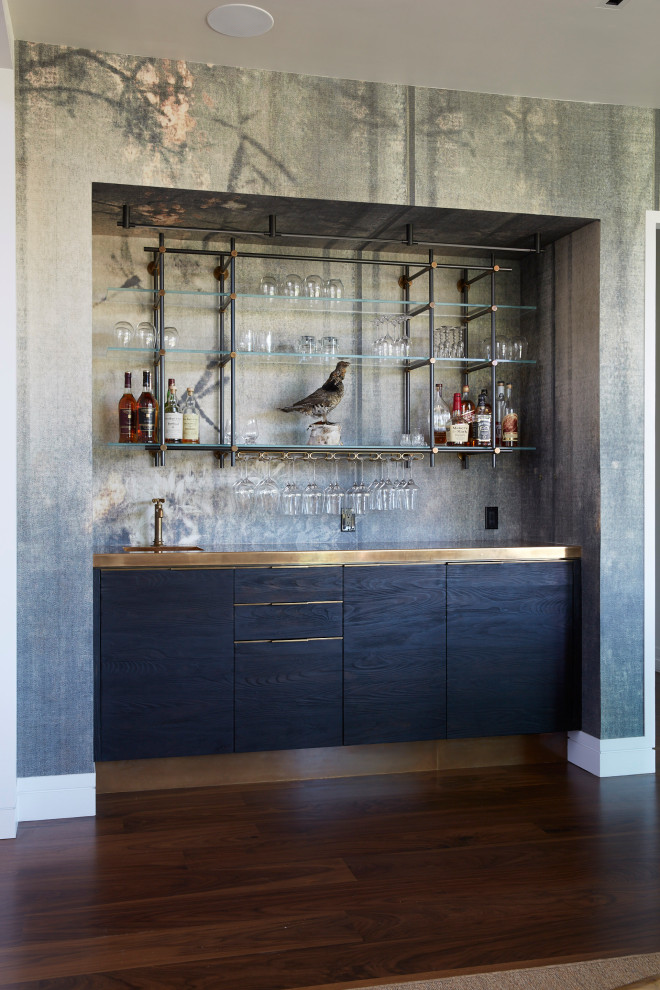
239,20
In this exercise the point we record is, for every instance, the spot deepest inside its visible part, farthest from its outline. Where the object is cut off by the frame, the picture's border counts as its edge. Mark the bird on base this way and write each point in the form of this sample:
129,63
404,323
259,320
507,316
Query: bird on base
325,398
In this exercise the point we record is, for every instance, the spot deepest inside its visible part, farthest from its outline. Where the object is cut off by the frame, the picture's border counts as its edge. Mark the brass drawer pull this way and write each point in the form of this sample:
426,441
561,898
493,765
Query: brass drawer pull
304,639
332,601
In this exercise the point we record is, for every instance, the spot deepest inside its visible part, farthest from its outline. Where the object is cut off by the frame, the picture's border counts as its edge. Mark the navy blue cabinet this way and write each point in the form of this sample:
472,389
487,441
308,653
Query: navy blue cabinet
512,648
394,653
193,662
288,695
165,669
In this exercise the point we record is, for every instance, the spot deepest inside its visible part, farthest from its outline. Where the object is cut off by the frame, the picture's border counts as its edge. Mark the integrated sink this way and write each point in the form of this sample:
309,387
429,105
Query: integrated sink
163,549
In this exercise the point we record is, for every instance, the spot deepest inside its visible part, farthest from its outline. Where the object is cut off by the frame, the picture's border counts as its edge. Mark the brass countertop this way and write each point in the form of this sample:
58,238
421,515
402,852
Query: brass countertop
263,556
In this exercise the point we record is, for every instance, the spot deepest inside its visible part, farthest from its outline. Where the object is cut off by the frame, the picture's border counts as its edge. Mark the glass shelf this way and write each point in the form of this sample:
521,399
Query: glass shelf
345,306
390,361
312,449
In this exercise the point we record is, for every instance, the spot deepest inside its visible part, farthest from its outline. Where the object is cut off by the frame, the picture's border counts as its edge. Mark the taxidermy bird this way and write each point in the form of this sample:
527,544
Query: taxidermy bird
325,398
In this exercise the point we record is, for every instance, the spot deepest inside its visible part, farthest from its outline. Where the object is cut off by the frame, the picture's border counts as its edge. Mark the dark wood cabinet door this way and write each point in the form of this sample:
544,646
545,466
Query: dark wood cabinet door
511,648
288,695
165,666
394,653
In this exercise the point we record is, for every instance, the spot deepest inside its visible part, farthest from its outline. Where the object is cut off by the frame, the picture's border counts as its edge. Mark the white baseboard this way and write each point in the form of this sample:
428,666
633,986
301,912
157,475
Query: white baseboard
66,796
8,823
611,757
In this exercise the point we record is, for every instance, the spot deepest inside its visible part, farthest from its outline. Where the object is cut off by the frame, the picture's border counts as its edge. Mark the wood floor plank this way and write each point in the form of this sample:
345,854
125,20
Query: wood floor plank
332,882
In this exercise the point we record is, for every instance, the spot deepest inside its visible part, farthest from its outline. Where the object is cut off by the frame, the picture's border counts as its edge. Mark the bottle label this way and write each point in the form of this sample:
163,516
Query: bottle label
483,429
173,426
191,427
147,422
126,424
510,428
459,433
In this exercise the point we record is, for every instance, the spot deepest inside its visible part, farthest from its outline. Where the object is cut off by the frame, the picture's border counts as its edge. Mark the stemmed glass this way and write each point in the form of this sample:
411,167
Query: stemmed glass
411,490
124,333
146,335
251,430
357,496
334,495
291,495
399,490
267,492
244,489
375,491
312,498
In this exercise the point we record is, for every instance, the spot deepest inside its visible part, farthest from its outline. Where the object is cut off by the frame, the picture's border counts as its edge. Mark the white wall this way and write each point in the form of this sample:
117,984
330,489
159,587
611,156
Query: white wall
8,485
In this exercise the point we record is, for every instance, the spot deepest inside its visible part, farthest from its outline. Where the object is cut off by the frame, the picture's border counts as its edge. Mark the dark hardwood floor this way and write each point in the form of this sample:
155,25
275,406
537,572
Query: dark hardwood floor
332,882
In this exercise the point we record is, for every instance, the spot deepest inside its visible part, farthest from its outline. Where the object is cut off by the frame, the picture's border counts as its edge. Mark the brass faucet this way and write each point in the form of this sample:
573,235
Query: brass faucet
158,521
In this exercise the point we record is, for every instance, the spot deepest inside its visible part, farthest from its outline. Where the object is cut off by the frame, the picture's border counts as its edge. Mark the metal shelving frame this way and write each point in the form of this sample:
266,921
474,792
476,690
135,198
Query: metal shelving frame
226,269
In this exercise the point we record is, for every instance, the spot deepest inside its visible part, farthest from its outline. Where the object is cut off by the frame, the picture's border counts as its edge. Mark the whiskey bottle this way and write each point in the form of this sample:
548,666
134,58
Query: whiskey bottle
510,429
499,413
483,420
441,418
173,415
468,415
459,430
147,412
127,413
190,418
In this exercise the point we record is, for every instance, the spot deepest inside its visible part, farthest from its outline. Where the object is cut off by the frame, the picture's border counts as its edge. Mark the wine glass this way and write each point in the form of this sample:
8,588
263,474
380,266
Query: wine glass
251,430
292,286
333,288
312,497
268,286
146,335
399,489
244,489
291,495
170,337
124,333
267,493
333,496
375,494
313,286
357,496
411,490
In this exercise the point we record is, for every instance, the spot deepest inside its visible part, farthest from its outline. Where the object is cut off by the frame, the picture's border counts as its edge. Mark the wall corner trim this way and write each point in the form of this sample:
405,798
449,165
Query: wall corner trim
611,757
70,795
8,823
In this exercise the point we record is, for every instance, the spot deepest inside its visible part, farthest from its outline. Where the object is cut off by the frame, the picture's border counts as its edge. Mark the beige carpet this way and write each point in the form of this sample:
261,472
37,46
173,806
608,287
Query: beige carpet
598,974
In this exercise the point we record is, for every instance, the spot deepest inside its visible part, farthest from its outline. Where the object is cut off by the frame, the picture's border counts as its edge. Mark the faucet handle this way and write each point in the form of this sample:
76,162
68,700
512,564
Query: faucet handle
157,500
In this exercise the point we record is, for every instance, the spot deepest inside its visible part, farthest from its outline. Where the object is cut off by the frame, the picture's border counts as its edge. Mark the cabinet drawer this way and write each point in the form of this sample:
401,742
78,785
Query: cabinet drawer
259,585
288,695
304,620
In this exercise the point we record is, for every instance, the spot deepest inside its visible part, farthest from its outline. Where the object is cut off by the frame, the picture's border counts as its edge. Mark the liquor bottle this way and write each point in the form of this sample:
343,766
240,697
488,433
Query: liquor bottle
190,418
441,418
510,430
468,415
499,413
127,413
173,415
459,430
147,410
483,420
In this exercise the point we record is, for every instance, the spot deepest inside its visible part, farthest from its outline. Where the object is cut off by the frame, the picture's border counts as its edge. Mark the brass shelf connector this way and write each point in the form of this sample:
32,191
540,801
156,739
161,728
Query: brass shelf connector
220,273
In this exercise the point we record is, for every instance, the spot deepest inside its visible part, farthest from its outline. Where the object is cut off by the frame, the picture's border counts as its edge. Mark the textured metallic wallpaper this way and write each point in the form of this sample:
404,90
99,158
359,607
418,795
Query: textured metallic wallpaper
86,117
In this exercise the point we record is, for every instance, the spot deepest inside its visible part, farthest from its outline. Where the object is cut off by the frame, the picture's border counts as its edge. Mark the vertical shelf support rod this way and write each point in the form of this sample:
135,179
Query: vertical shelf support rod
406,377
160,390
232,347
465,461
431,362
221,333
493,366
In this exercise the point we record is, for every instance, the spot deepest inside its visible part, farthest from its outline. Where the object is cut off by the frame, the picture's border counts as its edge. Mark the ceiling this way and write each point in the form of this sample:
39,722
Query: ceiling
555,49
322,223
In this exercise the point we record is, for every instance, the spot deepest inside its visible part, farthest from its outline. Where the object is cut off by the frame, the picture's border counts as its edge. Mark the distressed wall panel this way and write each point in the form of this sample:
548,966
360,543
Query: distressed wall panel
87,117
